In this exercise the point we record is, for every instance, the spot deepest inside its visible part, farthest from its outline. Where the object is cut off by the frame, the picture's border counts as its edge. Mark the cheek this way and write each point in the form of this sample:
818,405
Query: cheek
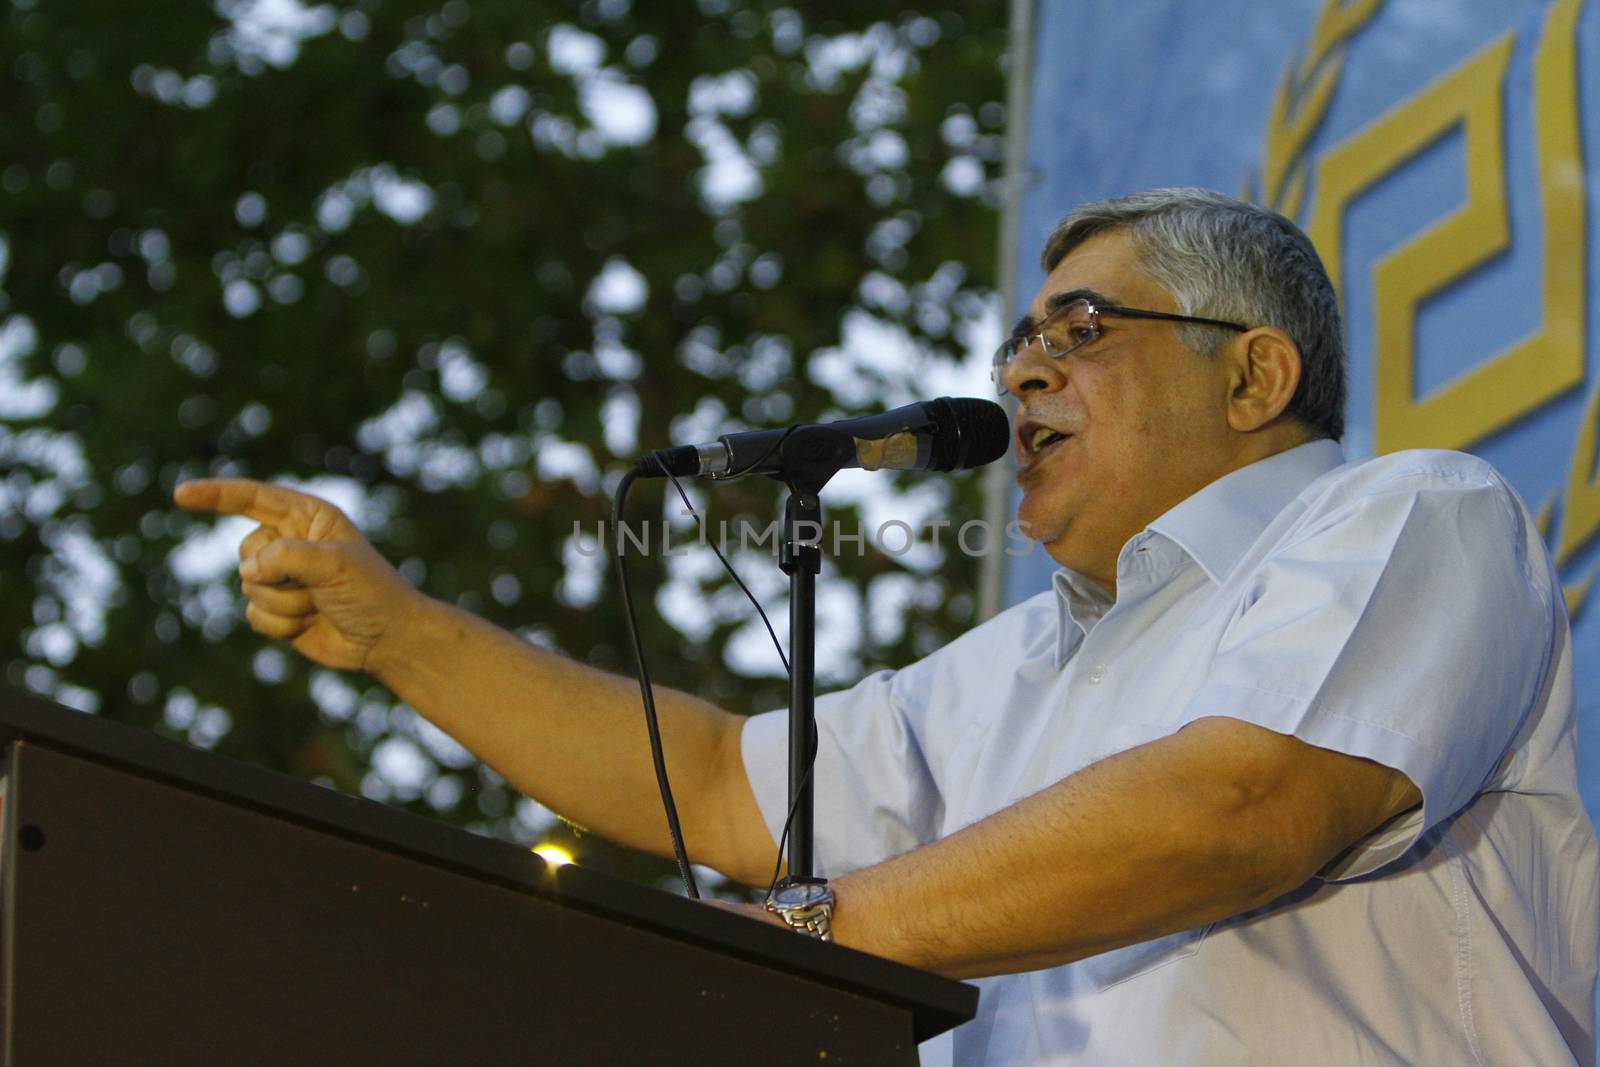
1123,431
1137,446
1164,421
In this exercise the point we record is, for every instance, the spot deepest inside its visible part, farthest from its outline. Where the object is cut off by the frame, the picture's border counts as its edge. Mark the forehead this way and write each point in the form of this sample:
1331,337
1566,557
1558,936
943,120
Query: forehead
1107,264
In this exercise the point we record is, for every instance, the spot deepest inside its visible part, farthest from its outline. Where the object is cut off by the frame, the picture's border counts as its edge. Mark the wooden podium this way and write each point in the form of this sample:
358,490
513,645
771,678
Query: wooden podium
167,906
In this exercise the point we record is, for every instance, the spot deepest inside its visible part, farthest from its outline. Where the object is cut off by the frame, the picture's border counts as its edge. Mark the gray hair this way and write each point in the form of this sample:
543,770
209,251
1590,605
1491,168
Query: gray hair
1222,258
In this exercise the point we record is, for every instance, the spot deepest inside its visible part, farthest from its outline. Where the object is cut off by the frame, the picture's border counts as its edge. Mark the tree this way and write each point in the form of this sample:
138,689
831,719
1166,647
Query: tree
456,265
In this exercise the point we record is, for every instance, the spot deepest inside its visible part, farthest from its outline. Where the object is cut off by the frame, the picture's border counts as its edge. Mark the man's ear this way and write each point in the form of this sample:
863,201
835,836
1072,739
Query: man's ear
1265,373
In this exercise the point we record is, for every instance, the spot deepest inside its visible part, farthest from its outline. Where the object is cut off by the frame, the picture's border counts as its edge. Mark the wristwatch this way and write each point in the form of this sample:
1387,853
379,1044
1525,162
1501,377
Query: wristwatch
806,906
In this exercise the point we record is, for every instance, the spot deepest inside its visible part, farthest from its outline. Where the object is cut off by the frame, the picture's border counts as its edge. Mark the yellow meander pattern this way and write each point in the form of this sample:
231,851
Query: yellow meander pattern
1506,385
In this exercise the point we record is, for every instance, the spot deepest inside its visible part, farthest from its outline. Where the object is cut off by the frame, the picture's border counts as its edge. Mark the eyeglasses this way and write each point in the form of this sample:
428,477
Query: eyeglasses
1075,325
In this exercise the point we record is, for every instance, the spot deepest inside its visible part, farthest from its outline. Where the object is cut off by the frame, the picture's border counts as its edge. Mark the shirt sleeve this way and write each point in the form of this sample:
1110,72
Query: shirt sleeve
1411,625
874,797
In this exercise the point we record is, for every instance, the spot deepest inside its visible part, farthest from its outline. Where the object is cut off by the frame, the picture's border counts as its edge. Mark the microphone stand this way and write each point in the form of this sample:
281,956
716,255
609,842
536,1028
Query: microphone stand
801,560
943,434
809,456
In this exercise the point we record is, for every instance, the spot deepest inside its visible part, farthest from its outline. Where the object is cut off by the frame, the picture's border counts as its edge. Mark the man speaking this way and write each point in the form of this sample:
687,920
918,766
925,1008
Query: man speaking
1280,770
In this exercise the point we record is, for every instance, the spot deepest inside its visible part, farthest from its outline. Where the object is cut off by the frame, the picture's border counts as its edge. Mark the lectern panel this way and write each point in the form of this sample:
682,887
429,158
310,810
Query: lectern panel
150,924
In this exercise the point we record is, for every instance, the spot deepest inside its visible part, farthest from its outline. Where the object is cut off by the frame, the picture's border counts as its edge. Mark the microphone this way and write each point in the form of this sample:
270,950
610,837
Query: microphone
947,434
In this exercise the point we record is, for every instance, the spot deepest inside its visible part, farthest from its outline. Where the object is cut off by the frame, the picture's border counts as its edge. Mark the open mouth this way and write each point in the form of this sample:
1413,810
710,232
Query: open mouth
1036,440
1044,437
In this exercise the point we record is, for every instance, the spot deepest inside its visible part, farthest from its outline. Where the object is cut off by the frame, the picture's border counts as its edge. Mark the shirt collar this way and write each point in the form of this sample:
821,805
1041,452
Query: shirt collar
1079,605
1216,525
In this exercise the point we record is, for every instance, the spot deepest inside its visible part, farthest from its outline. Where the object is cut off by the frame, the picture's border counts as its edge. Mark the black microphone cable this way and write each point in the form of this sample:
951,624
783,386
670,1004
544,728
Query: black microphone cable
652,722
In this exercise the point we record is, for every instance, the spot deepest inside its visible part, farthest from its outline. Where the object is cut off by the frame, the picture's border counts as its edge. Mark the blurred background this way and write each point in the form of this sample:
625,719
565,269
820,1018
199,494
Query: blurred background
453,266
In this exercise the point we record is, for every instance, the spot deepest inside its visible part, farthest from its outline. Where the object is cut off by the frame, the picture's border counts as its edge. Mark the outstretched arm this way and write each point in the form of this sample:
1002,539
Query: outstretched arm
560,731
1215,820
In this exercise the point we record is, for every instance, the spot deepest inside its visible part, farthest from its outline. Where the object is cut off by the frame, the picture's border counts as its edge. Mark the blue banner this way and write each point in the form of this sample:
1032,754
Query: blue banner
1436,155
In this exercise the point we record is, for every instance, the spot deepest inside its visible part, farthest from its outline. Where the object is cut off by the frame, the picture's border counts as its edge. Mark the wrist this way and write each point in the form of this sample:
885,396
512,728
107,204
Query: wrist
404,641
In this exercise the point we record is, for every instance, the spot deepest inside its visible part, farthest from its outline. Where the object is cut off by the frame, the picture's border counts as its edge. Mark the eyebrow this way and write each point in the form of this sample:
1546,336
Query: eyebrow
1054,303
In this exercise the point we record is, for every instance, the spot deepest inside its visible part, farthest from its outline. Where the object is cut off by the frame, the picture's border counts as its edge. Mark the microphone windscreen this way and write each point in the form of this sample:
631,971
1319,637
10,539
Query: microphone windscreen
682,462
981,433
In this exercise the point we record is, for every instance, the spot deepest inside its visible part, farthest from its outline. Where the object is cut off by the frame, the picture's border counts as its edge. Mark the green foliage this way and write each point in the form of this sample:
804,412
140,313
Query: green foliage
363,248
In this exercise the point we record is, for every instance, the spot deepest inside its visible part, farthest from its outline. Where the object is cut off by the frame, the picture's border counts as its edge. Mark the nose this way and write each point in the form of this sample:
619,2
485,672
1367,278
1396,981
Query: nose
1031,371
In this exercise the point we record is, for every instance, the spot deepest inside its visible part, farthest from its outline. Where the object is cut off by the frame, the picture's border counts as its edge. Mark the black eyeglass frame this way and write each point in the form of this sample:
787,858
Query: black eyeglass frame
1012,345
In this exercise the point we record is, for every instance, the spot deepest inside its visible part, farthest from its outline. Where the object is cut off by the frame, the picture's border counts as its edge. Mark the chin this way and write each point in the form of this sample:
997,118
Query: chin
1042,520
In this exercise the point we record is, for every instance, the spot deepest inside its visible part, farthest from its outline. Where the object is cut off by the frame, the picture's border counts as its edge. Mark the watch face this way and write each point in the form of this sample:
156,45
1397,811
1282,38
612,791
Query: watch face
804,895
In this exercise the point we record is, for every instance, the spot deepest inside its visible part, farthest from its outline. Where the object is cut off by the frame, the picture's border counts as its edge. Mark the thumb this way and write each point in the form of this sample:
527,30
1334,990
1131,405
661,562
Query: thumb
286,561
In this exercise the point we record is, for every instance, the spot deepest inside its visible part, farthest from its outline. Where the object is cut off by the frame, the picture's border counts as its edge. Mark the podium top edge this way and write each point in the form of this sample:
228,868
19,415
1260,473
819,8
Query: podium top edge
936,1003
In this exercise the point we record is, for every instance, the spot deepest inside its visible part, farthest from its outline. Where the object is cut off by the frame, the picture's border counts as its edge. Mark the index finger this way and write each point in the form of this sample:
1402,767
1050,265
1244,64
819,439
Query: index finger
271,505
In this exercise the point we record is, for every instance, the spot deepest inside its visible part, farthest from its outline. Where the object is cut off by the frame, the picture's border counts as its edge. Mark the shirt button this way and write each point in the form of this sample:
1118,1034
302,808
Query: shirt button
1098,674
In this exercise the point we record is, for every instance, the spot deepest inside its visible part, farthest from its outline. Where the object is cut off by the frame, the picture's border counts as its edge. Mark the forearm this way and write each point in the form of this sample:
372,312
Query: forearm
574,737
1060,876
1140,845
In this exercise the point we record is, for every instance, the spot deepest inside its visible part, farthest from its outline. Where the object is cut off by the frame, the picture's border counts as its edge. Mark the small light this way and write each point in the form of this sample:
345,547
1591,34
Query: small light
554,855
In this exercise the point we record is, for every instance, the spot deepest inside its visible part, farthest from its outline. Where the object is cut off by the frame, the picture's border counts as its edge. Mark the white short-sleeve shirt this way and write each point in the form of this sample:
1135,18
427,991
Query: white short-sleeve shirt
1401,609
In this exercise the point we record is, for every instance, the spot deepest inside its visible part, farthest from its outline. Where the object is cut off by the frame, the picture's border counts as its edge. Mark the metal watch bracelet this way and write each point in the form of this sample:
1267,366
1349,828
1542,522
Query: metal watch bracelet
812,919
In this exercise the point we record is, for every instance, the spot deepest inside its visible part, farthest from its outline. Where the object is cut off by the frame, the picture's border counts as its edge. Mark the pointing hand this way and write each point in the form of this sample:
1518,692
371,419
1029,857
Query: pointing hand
310,577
